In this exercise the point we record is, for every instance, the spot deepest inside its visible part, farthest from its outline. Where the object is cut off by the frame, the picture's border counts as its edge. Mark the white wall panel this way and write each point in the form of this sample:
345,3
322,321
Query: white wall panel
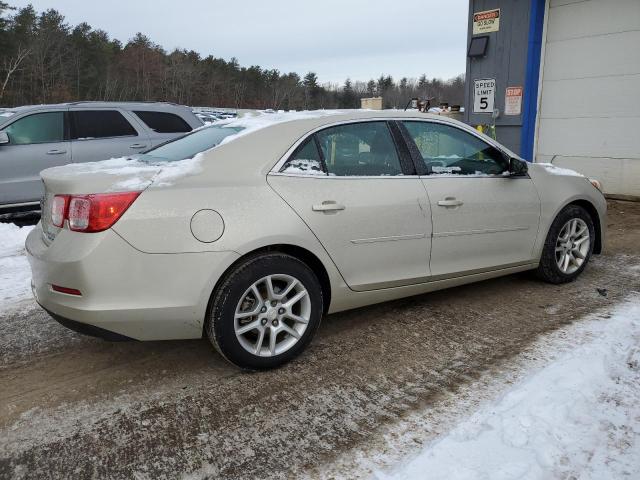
585,18
596,56
592,97
619,176
589,116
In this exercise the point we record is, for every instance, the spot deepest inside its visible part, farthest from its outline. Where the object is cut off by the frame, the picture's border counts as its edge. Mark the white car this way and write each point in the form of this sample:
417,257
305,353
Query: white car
292,216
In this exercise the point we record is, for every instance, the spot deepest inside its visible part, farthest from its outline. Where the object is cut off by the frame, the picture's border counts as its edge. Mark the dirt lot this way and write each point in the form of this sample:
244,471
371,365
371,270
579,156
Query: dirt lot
77,407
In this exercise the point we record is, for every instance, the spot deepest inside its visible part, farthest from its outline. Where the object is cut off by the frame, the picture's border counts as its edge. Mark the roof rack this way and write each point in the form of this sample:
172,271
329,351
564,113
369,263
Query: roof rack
79,102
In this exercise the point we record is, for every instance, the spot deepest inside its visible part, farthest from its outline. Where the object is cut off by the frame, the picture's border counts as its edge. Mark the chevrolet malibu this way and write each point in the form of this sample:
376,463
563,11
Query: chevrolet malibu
249,231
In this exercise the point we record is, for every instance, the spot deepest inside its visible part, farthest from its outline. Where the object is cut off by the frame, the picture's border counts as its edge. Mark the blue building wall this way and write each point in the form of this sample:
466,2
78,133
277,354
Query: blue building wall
532,77
513,59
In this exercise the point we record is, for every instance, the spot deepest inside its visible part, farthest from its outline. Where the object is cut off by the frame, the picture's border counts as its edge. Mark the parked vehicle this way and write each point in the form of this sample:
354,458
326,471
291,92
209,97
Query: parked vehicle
42,136
208,118
253,241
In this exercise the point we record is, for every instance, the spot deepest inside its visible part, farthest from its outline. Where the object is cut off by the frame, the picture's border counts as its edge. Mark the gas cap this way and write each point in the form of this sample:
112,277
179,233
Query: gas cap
207,226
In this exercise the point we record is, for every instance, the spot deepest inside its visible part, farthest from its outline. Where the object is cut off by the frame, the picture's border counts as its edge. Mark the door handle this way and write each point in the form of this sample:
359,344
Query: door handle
138,145
56,152
328,206
450,202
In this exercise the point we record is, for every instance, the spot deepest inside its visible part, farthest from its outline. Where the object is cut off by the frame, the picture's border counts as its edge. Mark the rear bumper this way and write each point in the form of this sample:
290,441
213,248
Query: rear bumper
124,291
86,329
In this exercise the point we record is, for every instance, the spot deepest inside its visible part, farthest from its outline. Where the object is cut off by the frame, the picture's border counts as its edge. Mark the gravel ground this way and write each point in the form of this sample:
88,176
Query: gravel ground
72,406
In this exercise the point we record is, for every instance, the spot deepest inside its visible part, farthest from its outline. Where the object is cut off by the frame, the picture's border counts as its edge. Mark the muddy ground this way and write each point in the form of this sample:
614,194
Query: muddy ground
77,407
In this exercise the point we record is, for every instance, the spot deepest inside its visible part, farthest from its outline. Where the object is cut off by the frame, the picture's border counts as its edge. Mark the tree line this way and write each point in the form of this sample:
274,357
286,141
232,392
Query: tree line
46,60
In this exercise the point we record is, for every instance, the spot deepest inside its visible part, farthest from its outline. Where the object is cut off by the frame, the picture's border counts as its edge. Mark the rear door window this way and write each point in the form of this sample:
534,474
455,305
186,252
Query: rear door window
43,127
305,160
359,149
163,122
89,124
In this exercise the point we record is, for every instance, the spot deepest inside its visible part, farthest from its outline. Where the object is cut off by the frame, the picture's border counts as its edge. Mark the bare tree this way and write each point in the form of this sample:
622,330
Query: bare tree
11,65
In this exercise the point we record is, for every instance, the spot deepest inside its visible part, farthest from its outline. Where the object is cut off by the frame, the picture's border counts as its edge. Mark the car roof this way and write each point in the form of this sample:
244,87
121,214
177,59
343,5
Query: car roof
254,153
96,104
295,124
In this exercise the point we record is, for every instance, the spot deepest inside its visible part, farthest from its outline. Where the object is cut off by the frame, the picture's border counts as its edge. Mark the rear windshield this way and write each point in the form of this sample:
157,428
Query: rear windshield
192,143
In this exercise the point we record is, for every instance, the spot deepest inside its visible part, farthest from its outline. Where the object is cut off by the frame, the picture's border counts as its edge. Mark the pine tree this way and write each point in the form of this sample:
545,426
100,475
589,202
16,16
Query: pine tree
371,88
348,97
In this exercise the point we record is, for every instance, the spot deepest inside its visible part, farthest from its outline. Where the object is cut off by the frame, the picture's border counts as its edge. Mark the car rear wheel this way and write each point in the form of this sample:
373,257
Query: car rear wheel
568,246
265,312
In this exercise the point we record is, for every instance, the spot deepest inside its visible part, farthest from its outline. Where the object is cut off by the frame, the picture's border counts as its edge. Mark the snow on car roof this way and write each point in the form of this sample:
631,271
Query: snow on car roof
252,122
135,173
132,173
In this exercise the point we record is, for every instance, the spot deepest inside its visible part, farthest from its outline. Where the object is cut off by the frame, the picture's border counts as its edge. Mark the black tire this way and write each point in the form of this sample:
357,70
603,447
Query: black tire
548,270
220,320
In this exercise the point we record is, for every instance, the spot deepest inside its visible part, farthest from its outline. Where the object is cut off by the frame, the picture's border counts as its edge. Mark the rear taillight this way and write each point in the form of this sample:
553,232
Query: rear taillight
91,213
59,209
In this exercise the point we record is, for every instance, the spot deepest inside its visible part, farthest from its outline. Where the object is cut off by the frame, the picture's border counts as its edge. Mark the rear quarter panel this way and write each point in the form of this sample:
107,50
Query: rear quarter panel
254,216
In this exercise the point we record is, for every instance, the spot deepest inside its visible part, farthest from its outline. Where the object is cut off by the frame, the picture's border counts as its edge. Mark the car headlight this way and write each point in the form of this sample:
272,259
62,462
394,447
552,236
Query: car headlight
595,183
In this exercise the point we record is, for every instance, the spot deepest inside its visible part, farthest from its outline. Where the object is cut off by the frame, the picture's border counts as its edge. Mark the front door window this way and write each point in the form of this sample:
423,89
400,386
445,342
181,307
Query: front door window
449,150
45,127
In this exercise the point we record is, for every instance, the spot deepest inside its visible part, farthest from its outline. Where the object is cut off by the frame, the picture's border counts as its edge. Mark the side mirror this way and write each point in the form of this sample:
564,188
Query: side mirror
517,167
4,138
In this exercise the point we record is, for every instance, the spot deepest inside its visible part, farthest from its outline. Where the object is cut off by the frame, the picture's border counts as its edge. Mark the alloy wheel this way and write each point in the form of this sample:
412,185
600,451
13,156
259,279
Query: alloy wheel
272,315
572,245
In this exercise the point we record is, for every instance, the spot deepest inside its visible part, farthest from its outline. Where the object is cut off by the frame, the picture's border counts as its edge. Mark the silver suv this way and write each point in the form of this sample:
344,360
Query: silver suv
41,136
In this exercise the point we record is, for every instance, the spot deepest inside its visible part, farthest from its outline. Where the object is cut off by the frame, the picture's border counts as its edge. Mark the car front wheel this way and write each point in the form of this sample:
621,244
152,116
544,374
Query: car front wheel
568,246
266,311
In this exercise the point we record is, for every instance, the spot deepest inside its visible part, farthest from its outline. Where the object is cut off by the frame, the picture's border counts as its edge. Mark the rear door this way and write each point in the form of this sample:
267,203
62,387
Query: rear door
36,141
483,219
351,184
100,134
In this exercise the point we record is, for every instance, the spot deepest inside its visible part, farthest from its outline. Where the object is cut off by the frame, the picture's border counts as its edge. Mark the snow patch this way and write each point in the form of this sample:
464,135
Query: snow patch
578,416
552,169
15,274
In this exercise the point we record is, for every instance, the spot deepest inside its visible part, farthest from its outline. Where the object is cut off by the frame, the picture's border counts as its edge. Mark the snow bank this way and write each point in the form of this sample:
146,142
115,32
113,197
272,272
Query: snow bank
578,417
552,169
15,274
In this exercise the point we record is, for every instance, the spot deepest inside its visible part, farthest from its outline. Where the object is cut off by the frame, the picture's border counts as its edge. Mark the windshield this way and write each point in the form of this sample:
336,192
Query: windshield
192,143
5,115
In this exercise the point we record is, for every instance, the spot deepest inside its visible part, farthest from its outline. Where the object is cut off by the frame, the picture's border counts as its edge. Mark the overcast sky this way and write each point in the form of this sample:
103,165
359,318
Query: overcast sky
336,39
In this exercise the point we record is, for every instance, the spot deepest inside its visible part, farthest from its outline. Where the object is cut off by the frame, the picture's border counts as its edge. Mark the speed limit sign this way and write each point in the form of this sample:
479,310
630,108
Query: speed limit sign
484,92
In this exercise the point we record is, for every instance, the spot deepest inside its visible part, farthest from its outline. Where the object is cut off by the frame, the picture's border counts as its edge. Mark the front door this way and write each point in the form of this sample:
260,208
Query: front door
347,184
483,219
36,142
